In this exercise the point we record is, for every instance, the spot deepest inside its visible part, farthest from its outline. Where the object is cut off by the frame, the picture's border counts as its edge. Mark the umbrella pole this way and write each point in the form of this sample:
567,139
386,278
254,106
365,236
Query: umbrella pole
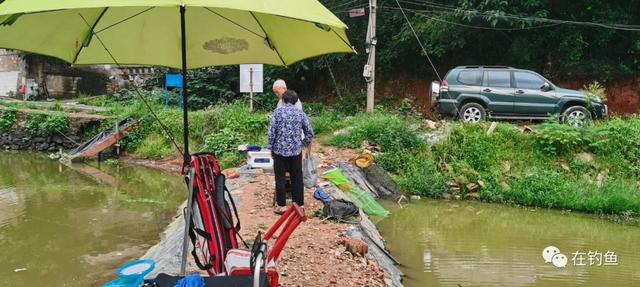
185,96
187,223
186,164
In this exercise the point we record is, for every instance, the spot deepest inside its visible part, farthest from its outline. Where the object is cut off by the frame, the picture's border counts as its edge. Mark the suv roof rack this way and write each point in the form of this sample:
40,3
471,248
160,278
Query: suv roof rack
481,66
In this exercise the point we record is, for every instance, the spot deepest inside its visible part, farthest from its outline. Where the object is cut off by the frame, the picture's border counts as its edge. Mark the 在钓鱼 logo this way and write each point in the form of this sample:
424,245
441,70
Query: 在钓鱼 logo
551,254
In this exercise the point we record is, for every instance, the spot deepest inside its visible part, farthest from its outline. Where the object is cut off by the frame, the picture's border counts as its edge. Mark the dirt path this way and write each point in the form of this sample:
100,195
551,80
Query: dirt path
313,255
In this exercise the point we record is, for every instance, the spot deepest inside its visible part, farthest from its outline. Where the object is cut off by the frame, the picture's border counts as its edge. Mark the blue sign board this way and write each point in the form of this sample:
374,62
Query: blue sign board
173,81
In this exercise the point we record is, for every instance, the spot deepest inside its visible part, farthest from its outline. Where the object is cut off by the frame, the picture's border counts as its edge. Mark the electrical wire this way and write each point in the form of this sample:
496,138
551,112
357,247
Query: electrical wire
425,15
424,51
471,12
343,4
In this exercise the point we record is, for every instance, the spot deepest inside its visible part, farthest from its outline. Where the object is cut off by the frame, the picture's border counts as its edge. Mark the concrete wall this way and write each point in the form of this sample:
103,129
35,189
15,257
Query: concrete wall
8,83
11,68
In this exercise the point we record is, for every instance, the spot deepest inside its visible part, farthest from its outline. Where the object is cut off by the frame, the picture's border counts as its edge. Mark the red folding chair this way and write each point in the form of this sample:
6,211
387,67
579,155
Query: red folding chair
237,261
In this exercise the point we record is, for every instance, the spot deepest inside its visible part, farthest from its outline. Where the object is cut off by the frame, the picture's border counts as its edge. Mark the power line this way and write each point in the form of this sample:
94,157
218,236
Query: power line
424,51
344,4
476,13
422,14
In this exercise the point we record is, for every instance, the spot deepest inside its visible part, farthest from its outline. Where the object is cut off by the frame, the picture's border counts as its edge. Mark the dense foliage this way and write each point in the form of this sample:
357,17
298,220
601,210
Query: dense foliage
54,124
563,40
556,38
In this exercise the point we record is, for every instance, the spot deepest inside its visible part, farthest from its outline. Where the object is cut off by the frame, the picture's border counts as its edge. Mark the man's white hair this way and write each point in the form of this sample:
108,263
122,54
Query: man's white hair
279,83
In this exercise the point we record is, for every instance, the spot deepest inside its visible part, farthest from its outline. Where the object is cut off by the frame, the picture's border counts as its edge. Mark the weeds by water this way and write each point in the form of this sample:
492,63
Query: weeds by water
593,169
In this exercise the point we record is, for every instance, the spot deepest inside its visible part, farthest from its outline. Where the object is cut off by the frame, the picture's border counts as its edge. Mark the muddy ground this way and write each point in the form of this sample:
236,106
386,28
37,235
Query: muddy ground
313,255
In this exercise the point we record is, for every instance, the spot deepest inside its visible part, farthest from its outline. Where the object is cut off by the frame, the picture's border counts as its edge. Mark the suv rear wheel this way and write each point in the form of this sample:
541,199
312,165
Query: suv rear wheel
472,113
576,116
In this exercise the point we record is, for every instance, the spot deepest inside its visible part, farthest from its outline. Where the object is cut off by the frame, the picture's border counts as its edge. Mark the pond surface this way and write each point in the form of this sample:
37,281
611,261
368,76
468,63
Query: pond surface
476,244
70,228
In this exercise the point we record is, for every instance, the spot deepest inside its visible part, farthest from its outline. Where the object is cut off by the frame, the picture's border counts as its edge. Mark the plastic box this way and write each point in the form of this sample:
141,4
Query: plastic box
260,159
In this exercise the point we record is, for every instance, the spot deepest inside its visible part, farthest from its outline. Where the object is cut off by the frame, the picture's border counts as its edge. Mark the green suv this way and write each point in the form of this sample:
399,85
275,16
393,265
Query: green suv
475,93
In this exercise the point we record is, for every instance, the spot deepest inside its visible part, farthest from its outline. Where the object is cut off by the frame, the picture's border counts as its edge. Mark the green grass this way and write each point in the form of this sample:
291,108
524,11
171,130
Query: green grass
218,129
591,169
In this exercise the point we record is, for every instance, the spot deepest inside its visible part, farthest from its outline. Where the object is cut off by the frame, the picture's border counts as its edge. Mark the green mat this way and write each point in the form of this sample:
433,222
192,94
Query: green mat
361,198
335,176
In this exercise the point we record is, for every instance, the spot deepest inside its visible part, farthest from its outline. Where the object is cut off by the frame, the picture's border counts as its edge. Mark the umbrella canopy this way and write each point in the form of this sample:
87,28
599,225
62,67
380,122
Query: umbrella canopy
148,32
184,34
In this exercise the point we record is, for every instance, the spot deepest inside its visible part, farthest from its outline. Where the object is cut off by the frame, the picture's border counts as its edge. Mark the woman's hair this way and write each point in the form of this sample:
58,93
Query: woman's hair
290,97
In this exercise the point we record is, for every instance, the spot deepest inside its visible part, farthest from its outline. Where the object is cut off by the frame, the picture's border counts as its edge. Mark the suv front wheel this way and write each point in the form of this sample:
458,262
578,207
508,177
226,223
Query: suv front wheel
576,116
472,113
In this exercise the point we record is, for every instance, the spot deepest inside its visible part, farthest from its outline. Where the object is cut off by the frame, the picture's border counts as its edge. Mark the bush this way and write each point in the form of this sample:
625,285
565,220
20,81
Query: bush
34,124
421,176
595,90
7,119
327,122
226,140
559,139
155,147
56,123
390,132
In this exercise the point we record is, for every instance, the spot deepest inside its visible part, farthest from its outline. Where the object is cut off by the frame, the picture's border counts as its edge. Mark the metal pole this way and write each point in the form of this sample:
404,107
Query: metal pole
185,96
117,137
250,89
187,157
371,41
187,222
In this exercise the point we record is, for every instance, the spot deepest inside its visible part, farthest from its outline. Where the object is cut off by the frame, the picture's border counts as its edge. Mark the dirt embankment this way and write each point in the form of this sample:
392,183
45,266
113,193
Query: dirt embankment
623,96
313,255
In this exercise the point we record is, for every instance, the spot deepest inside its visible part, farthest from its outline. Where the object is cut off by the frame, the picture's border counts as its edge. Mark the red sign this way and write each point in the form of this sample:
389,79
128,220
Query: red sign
353,13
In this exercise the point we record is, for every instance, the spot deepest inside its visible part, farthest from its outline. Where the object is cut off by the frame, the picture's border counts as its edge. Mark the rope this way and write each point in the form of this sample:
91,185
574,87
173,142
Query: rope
424,51
137,91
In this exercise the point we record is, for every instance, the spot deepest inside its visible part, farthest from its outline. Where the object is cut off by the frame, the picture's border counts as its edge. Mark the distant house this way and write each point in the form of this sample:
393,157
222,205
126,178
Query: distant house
52,78
12,69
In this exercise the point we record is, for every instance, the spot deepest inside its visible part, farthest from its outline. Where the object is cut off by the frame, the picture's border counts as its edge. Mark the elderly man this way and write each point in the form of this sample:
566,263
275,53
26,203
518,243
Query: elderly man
279,87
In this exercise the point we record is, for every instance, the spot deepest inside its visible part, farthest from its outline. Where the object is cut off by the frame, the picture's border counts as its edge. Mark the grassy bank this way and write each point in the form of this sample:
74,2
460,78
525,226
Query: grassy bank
593,169
219,129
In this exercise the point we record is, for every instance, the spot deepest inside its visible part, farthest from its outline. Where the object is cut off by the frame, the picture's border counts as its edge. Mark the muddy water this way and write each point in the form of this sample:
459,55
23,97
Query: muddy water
59,227
475,244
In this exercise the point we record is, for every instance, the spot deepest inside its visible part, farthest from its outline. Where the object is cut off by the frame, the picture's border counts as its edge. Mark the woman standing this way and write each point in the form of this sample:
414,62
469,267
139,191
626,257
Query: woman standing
286,146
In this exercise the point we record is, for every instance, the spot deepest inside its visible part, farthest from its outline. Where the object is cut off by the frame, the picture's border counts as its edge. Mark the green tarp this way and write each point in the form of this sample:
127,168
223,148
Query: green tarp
361,198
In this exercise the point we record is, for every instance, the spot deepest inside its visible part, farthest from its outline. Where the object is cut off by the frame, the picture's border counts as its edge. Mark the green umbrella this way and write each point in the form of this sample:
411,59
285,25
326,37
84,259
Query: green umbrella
183,34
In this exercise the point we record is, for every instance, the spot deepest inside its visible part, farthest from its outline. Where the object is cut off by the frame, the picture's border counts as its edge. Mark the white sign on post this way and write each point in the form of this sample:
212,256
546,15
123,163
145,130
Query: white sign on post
251,78
251,81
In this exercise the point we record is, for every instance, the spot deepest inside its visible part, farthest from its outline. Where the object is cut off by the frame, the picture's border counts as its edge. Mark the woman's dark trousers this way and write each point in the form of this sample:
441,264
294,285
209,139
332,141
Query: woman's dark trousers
292,164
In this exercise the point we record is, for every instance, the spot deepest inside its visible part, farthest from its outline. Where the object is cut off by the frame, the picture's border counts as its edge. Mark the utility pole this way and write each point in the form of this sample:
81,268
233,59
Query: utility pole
369,72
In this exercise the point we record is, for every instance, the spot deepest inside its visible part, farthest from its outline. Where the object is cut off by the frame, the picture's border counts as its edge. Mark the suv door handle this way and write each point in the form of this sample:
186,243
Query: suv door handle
519,92
487,90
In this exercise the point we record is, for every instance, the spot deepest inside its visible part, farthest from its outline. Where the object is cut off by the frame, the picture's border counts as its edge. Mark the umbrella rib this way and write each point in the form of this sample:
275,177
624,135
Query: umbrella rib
90,35
124,20
272,45
164,127
235,23
343,40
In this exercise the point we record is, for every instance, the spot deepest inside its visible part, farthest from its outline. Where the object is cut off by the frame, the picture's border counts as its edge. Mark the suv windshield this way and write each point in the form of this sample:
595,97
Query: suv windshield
500,79
528,81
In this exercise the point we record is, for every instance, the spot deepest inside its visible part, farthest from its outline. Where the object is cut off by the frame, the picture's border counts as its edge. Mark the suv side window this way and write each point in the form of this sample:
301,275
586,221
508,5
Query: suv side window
498,79
528,81
473,78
